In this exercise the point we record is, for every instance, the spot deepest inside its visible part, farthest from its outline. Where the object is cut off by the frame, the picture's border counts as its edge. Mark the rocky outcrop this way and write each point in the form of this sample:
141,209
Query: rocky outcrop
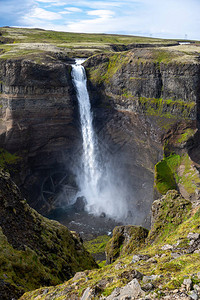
34,251
124,241
169,211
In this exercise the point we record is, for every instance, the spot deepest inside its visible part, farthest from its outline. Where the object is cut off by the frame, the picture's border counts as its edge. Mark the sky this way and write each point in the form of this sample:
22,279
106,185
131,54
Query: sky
154,18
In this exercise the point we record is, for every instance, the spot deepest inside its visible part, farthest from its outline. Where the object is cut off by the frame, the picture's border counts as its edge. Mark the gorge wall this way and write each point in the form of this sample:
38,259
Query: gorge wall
38,119
138,98
143,100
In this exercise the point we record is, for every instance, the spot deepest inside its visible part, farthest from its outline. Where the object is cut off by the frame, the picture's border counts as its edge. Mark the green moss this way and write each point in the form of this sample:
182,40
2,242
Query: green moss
189,178
108,69
168,108
137,78
7,158
164,56
21,269
186,135
173,210
165,174
97,246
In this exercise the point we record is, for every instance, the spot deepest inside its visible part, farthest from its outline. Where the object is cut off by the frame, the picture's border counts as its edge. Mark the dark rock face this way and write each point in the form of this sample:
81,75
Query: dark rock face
39,251
141,73
36,103
38,119
138,99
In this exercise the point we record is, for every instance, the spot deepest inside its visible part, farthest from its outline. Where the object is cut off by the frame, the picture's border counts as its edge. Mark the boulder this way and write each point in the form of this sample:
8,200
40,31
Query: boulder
130,291
125,239
80,203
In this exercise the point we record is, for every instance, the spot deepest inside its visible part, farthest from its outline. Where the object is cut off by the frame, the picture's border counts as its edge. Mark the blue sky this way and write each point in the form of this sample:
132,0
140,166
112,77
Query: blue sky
156,18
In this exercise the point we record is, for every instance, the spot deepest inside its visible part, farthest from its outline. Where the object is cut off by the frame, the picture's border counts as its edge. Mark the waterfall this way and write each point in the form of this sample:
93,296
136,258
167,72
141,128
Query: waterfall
91,171
95,181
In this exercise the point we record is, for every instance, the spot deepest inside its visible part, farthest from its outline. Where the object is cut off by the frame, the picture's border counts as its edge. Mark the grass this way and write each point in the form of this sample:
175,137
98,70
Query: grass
168,177
97,246
44,36
166,107
72,44
189,178
189,132
164,174
173,270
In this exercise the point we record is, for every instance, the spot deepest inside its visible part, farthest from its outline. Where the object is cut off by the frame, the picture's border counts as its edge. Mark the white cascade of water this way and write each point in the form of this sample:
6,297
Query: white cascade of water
94,181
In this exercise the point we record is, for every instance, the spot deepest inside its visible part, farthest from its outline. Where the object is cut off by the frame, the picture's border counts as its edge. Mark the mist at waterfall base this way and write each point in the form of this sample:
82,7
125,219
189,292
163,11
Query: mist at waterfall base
102,186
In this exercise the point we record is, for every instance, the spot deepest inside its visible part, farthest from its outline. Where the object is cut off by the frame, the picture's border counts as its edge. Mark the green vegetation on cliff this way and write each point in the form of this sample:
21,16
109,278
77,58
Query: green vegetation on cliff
168,212
96,247
176,171
165,171
166,108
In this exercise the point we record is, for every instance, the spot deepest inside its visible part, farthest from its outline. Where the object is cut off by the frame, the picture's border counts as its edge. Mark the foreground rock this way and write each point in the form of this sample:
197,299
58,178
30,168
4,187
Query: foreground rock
131,291
34,251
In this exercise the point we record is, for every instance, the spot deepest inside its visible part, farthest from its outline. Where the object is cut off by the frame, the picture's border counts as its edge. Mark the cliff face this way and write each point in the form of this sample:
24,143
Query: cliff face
128,79
137,97
146,94
37,118
36,104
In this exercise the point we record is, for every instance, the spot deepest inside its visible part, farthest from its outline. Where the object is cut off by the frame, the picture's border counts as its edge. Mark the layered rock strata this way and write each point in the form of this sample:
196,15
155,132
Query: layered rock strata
38,119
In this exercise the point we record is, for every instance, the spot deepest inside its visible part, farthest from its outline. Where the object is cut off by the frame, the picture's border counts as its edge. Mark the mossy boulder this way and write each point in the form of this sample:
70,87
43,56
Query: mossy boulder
165,174
34,251
178,172
167,213
124,241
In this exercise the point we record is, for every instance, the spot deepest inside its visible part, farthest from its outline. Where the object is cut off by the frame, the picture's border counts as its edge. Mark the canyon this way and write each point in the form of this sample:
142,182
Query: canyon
145,103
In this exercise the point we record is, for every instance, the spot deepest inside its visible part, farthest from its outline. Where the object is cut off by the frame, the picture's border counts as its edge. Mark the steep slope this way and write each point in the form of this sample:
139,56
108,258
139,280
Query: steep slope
167,267
34,251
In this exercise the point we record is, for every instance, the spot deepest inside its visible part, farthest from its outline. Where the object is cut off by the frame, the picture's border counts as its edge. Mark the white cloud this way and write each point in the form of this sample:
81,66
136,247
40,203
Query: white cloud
64,12
73,9
171,19
48,1
40,13
101,13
